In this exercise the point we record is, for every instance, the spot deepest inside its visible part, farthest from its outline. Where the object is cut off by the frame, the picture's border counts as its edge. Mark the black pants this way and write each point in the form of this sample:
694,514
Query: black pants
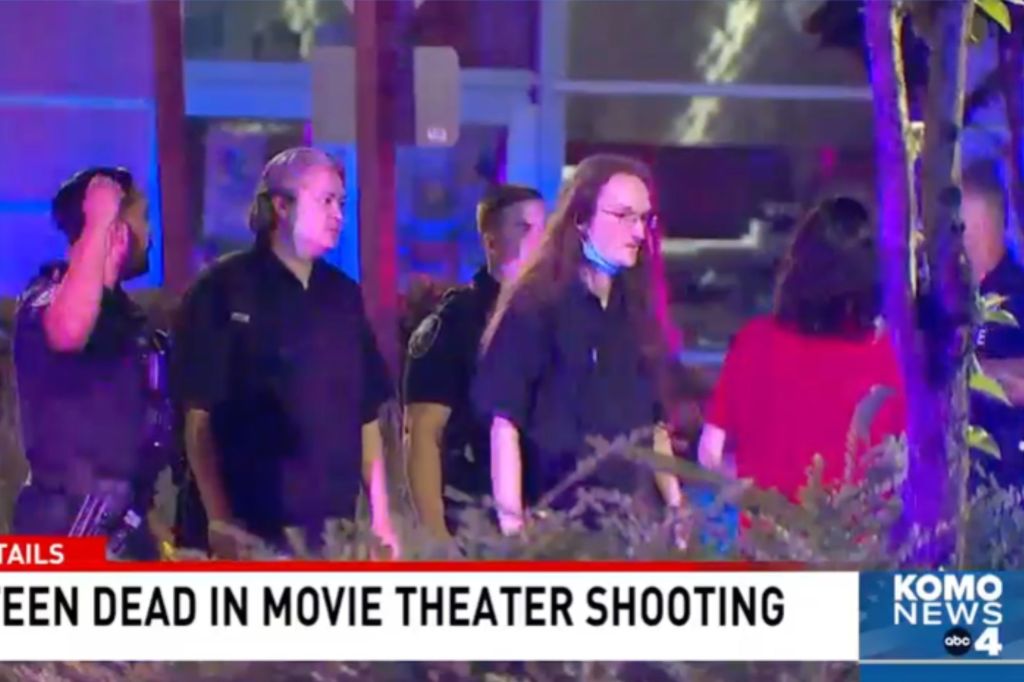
190,521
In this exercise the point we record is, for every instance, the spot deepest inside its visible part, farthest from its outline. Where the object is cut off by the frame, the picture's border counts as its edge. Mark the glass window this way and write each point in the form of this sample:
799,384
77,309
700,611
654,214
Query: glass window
485,34
438,191
260,30
718,120
744,41
226,158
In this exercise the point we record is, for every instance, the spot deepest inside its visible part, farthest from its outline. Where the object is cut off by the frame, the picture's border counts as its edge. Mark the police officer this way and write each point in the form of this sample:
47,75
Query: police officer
448,444
575,347
999,347
278,374
84,354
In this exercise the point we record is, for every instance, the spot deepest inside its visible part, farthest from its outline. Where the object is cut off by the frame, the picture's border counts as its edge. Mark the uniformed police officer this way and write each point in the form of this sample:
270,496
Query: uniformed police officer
576,345
999,347
83,353
278,373
448,444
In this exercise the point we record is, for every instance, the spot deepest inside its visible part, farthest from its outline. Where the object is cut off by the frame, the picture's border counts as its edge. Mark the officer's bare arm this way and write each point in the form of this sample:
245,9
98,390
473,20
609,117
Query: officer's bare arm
69,319
426,422
667,483
203,458
507,474
375,479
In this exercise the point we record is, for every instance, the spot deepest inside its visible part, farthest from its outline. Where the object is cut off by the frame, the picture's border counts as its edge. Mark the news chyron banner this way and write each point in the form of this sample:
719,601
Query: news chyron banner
931,625
62,600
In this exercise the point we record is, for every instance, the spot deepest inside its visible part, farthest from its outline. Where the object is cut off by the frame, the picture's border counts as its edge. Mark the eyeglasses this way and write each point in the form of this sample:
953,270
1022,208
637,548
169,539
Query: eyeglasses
629,218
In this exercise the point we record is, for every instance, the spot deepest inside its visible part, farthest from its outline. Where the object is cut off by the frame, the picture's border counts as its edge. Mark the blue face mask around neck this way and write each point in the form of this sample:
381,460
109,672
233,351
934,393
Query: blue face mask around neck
597,260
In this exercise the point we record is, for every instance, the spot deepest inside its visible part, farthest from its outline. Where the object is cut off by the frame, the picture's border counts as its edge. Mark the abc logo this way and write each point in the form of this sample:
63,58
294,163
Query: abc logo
957,641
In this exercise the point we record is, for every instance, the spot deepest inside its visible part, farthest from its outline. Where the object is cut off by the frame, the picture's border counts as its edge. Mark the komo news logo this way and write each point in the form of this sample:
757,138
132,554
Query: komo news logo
968,605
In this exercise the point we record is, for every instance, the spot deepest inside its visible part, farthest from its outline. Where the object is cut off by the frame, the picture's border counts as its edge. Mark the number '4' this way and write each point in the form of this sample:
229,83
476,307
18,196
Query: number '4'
989,642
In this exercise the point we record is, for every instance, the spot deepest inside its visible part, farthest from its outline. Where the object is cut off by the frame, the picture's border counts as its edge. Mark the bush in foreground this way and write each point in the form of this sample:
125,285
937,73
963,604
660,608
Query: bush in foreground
851,526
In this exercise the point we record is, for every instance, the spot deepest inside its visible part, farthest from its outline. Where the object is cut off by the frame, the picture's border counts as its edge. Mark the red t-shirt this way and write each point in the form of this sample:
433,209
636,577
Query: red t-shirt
783,397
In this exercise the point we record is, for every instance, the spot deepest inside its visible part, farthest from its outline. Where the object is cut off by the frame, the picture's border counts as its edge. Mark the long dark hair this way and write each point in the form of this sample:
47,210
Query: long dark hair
556,262
829,283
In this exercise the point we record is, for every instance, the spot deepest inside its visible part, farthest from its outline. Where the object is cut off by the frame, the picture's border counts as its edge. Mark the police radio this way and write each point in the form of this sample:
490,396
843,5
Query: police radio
159,408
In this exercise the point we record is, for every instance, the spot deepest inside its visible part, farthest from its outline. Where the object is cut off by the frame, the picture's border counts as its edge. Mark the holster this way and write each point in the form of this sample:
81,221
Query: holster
109,510
112,507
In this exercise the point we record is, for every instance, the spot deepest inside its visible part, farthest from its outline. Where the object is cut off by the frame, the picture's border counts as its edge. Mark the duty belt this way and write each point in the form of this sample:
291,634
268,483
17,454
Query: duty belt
109,511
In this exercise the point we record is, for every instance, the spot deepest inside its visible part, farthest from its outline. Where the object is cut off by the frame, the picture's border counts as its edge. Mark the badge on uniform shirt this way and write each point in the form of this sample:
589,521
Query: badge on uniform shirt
41,291
423,338
43,296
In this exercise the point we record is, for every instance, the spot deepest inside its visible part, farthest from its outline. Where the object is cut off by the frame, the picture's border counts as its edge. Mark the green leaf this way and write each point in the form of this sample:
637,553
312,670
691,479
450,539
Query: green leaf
996,11
986,385
993,301
1003,317
980,439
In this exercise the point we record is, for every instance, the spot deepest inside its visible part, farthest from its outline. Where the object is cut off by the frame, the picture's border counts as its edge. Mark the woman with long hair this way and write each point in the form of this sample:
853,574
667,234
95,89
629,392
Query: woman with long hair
792,381
576,344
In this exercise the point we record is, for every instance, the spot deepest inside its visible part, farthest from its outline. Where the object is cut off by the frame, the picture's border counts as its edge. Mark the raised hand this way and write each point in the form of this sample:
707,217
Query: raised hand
102,202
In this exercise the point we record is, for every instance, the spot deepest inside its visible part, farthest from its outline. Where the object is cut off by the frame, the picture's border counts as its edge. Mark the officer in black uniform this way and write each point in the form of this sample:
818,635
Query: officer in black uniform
279,376
999,347
89,374
448,445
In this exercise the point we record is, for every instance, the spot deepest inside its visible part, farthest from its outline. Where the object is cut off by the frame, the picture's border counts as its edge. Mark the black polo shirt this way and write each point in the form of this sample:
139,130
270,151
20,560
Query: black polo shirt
564,370
440,367
998,341
289,375
83,414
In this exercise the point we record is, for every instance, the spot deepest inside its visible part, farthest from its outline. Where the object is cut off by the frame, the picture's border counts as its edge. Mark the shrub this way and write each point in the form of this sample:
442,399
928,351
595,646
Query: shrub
848,526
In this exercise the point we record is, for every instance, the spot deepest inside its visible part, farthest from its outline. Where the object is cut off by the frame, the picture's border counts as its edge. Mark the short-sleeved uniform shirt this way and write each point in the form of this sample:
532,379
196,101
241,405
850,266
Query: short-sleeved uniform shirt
783,397
289,376
564,370
441,365
83,414
999,342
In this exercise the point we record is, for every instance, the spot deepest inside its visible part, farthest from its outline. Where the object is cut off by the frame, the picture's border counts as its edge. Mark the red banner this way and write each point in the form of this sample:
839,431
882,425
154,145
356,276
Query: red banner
20,552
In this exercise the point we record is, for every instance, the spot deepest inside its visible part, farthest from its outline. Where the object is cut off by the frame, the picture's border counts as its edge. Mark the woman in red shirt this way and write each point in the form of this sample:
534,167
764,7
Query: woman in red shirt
792,381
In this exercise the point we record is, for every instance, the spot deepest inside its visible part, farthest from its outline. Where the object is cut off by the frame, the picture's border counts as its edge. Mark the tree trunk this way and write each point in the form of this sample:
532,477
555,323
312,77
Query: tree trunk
948,303
928,309
883,23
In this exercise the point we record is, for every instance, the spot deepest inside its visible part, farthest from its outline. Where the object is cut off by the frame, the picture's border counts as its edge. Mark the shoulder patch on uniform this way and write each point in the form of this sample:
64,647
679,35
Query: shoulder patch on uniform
40,293
422,340
44,297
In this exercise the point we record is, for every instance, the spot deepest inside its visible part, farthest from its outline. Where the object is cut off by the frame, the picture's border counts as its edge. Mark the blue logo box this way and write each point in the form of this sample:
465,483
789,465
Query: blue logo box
942,616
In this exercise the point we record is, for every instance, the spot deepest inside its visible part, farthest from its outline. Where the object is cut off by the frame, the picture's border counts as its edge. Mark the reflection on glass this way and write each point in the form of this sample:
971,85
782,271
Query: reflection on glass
743,41
670,120
262,30
485,34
